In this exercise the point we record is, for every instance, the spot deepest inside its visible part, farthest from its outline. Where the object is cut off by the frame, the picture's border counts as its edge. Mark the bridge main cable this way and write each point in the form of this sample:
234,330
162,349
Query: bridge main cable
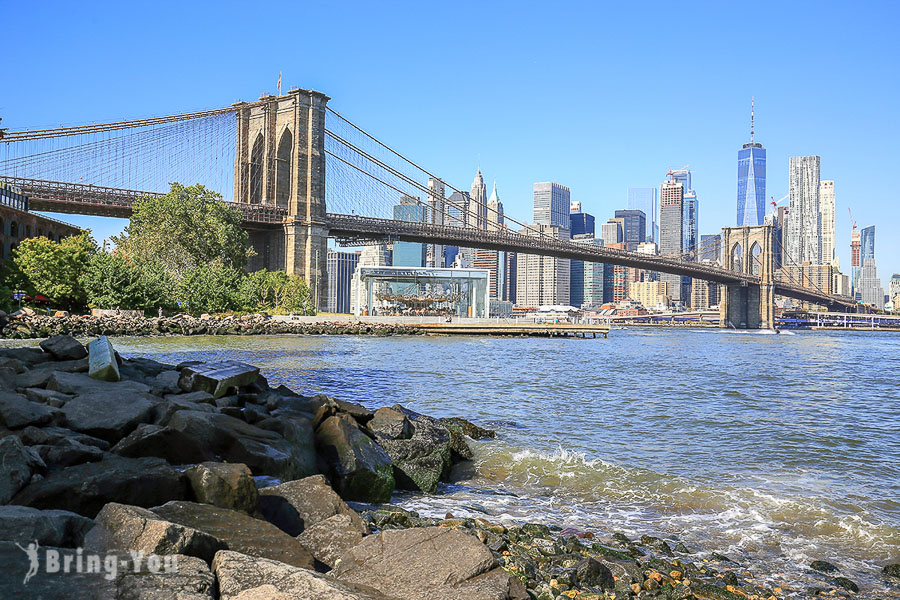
41,134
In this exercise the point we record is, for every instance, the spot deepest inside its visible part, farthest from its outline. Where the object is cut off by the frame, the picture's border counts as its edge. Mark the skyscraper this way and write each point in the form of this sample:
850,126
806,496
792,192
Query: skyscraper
671,234
459,214
580,223
340,268
551,204
490,259
586,278
479,201
647,200
611,232
867,242
826,218
437,213
751,191
635,229
409,254
802,242
543,280
854,262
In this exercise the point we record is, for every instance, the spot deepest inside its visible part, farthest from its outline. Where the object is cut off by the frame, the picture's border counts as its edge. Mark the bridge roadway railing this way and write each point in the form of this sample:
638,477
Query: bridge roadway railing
87,199
358,226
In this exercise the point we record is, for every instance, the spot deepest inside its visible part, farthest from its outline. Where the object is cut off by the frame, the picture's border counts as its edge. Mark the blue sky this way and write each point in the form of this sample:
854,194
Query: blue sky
597,97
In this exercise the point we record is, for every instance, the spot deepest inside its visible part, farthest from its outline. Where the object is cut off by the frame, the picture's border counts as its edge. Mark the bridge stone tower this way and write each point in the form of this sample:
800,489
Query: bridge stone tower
749,250
280,162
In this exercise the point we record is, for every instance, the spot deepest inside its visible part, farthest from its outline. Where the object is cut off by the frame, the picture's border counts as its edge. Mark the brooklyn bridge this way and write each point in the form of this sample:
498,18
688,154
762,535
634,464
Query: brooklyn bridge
300,172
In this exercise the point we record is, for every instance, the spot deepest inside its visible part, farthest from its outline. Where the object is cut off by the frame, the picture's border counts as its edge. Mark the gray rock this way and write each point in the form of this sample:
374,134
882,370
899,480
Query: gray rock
48,397
218,377
87,488
19,463
298,431
51,586
29,356
16,412
238,531
428,562
235,440
224,484
24,524
127,528
13,364
55,436
823,565
359,412
174,403
195,397
359,468
328,540
67,453
592,572
391,424
190,579
243,577
108,415
103,363
64,347
892,570
174,446
165,383
468,428
79,383
295,505
423,459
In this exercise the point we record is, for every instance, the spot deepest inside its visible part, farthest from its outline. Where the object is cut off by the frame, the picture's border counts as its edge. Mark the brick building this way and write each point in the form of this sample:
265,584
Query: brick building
17,224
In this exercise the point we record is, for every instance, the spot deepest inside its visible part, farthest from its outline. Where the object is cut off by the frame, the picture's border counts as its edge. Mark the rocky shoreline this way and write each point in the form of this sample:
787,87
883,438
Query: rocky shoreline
28,325
201,481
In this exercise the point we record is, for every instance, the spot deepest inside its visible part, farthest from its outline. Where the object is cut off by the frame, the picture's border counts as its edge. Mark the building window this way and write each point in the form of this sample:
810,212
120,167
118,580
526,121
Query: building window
13,230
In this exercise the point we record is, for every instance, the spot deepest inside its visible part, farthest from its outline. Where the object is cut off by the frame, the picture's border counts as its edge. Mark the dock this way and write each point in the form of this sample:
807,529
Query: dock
514,329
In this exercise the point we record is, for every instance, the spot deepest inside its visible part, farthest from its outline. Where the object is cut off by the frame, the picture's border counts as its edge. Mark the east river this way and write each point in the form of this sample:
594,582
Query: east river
774,450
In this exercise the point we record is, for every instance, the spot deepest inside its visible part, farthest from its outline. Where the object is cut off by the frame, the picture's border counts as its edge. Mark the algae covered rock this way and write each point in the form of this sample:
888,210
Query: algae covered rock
359,468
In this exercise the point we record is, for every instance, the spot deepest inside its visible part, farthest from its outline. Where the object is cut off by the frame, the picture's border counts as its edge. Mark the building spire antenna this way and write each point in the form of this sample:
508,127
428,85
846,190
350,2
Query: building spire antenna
752,118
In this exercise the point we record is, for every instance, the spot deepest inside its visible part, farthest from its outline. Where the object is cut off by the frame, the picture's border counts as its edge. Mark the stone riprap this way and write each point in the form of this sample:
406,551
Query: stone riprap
146,464
29,326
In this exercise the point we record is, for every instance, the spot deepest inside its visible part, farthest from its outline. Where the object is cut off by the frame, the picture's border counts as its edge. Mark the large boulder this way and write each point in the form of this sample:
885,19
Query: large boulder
132,528
329,539
243,577
174,446
55,436
430,562
224,484
80,383
67,453
48,397
238,531
188,579
422,459
108,415
390,423
217,377
23,524
63,347
359,468
87,488
296,505
17,412
299,432
19,463
29,356
234,440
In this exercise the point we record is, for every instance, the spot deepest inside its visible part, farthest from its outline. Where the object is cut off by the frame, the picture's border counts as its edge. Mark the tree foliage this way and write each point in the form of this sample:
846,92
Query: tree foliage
209,288
114,281
52,269
275,291
184,229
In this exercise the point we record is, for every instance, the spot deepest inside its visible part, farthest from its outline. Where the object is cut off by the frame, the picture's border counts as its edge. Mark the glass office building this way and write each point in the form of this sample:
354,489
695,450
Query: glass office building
405,291
646,200
635,230
410,254
751,190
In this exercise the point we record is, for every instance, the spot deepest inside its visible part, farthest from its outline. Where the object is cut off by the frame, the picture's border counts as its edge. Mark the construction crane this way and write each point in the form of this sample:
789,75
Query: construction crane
676,171
852,222
775,203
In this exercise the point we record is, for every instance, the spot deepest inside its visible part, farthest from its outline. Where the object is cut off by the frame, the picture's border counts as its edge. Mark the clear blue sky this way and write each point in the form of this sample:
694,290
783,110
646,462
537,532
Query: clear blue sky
597,97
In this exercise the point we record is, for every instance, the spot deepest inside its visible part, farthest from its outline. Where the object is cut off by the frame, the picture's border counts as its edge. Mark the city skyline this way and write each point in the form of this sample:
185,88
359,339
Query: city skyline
601,143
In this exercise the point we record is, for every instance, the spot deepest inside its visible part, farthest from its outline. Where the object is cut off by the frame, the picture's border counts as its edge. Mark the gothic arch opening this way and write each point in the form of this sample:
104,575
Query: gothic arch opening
283,169
755,262
737,255
256,170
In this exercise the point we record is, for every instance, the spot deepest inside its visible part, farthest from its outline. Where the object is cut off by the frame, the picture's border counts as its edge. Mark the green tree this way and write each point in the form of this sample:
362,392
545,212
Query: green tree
275,291
114,281
209,288
42,266
296,297
188,227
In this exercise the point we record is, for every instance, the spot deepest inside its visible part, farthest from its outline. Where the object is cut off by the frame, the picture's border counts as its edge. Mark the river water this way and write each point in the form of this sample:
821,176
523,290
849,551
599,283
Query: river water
772,449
